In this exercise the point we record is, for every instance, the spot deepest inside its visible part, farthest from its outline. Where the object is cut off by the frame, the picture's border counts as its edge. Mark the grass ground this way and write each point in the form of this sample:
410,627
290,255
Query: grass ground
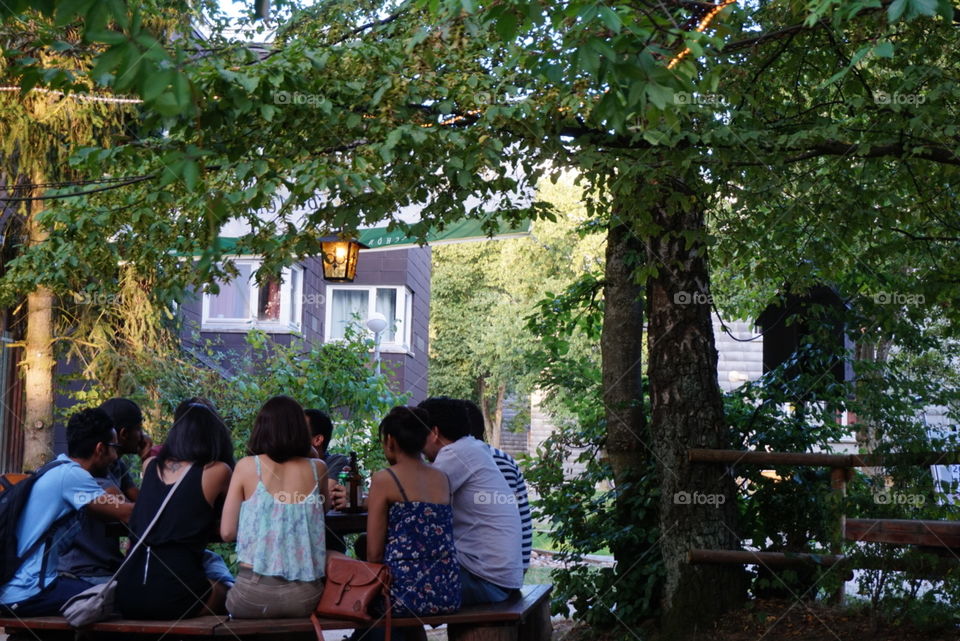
543,541
536,575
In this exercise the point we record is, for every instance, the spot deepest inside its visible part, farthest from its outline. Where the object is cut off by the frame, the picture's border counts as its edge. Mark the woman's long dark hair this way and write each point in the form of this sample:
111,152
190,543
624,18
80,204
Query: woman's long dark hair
198,435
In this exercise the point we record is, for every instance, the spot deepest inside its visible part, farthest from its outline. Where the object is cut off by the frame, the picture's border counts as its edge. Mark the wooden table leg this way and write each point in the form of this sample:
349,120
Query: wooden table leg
480,632
537,626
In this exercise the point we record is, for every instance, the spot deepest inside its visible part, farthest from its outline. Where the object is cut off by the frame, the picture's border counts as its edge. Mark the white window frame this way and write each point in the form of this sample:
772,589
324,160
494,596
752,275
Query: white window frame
404,313
288,297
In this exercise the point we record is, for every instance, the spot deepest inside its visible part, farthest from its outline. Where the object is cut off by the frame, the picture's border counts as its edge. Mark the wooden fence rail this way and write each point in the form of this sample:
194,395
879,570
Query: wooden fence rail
817,459
942,536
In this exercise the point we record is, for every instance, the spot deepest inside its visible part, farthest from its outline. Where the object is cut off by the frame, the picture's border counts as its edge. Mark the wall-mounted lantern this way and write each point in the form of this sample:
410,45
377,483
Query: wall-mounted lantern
340,258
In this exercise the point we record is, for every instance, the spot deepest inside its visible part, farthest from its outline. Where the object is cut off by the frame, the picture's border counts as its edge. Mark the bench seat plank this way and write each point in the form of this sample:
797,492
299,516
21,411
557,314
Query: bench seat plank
195,626
514,610
939,534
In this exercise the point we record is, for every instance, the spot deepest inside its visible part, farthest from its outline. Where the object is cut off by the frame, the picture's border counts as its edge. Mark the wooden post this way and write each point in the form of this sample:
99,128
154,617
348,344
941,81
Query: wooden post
838,484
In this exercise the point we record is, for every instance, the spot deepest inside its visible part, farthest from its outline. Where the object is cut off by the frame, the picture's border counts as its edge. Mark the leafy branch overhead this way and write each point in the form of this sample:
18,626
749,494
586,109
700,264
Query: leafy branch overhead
379,107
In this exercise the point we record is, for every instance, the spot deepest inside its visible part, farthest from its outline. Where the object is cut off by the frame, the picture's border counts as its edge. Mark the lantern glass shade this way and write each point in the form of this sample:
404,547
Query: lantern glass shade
340,258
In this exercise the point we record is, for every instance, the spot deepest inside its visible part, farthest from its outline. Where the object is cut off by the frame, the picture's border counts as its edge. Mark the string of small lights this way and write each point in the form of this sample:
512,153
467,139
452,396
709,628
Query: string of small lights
704,23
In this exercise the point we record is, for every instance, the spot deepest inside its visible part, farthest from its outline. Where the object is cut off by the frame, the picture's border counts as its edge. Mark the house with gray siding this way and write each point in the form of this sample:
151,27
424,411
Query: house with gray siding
299,302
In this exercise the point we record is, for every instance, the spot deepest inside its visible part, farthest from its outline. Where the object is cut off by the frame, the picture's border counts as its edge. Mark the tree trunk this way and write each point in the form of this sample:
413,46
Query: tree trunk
492,418
865,430
698,503
621,349
497,426
38,360
627,440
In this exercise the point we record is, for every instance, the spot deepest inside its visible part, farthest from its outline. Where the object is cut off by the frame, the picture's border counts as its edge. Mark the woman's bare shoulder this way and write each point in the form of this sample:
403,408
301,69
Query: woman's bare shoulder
380,476
217,468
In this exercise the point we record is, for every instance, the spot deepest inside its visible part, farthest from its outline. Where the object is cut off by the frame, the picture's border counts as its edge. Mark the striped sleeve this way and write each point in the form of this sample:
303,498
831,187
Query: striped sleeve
514,477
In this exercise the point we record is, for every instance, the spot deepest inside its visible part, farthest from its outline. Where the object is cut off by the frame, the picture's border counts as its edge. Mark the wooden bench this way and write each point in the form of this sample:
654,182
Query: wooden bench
524,617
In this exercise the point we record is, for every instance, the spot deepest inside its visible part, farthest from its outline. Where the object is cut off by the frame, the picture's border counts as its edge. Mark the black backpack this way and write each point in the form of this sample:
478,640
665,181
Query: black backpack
13,500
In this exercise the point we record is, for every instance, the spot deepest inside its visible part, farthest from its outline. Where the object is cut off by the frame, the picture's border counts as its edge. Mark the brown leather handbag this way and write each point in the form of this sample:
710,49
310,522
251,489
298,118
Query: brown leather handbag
351,588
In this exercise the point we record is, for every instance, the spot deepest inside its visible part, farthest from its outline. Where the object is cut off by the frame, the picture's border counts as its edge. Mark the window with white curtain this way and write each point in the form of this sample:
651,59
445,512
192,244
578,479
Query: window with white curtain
352,304
242,304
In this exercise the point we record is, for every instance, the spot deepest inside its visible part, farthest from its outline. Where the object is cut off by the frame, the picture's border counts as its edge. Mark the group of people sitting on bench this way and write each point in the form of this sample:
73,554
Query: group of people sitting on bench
454,529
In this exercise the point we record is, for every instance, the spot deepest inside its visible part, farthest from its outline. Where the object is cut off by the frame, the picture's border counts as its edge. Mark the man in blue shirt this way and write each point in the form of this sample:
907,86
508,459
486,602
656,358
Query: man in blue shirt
64,491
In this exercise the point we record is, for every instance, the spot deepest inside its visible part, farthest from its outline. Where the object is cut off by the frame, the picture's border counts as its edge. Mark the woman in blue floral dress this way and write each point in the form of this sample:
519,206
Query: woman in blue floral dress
410,523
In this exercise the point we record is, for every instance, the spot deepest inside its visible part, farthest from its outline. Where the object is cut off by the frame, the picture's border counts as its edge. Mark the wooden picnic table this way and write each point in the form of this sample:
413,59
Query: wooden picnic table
346,522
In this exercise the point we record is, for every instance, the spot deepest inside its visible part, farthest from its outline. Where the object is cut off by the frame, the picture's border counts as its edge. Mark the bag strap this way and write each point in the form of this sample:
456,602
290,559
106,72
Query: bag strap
153,522
386,599
45,540
400,487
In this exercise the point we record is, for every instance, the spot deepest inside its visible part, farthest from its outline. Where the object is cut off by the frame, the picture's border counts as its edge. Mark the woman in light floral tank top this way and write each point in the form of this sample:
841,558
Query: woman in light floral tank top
274,509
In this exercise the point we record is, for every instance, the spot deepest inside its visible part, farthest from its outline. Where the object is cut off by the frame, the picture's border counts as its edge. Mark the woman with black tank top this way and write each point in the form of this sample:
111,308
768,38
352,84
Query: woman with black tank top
166,578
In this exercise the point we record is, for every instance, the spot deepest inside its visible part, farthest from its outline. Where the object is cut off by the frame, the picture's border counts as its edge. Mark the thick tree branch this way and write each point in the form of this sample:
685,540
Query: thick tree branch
935,239
763,38
939,154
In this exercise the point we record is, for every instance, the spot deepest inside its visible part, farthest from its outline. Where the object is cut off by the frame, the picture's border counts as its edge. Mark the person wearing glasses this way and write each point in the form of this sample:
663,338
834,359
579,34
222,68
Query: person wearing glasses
95,554
58,499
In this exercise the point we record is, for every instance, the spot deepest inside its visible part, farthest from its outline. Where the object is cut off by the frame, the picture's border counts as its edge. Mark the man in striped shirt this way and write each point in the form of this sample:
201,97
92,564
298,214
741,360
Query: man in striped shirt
514,477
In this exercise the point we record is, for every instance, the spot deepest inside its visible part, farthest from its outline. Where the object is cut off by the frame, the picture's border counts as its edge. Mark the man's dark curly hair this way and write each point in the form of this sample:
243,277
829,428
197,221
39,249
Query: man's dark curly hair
85,429
124,413
449,415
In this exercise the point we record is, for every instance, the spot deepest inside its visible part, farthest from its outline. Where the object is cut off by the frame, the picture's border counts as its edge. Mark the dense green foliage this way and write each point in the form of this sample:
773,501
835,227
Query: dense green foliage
334,377
580,509
483,292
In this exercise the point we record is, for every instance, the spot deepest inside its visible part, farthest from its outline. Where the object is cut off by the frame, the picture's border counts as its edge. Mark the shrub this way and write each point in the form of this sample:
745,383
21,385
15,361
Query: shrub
333,377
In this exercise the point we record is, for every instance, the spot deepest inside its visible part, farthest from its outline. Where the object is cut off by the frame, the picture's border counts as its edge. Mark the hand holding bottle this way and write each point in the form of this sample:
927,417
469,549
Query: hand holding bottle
338,493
